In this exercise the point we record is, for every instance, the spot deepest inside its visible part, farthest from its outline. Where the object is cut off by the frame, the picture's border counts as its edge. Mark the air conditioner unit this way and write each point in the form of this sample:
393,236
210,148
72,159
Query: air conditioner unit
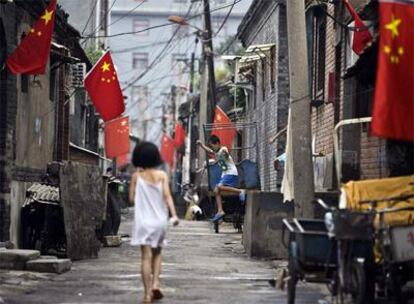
78,73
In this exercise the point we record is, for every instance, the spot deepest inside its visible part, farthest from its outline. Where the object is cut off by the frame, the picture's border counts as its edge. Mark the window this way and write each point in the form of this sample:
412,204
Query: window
178,62
139,24
318,54
139,98
140,61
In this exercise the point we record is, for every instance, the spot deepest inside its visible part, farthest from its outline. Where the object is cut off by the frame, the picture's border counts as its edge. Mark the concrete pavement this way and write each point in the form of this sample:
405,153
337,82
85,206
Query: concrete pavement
199,267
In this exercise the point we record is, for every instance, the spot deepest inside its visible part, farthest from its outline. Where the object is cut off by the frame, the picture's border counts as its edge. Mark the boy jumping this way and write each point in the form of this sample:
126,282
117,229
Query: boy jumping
229,177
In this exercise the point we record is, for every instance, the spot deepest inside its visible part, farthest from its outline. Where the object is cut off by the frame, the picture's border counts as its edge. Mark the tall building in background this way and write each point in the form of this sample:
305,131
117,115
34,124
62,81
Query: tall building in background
166,50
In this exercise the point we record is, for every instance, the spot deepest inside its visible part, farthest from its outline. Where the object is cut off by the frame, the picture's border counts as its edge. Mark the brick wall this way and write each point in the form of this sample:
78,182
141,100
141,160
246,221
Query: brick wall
372,157
323,121
268,107
370,152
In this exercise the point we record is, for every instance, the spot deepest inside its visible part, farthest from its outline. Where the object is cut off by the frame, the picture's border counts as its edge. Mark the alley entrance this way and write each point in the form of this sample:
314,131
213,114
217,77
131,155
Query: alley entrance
199,267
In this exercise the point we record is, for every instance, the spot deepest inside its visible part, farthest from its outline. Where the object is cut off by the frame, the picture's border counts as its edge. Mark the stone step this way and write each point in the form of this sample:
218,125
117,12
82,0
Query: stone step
16,258
48,257
53,265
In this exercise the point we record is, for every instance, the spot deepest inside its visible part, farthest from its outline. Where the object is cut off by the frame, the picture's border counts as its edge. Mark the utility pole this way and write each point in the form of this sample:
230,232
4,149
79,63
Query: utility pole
209,54
192,62
208,99
189,139
300,122
173,102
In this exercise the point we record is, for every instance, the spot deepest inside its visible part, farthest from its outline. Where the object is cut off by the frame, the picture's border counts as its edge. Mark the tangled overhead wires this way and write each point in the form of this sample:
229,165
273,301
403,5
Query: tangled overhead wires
157,58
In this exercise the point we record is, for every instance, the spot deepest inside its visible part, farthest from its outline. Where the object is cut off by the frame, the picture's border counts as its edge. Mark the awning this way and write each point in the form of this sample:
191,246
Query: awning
260,48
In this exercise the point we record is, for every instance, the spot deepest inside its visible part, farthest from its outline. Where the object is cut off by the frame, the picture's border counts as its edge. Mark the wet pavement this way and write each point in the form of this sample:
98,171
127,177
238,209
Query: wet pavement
199,267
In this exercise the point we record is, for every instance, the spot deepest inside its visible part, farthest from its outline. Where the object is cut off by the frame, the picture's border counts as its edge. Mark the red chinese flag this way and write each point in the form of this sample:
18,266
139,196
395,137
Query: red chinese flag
167,149
121,160
103,88
32,54
393,112
362,36
179,137
117,137
223,128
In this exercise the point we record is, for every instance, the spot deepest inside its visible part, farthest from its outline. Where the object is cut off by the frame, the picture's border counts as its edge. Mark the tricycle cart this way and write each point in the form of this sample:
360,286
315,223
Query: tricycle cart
312,254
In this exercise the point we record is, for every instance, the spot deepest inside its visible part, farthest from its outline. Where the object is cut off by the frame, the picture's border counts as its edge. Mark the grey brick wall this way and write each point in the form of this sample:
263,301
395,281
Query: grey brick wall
268,107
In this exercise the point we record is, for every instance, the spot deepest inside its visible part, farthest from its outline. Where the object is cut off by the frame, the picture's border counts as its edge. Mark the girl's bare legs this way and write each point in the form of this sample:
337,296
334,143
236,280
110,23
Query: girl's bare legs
156,267
146,271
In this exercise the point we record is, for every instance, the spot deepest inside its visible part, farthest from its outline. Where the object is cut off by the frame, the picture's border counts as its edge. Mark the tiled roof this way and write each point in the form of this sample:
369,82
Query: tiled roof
42,193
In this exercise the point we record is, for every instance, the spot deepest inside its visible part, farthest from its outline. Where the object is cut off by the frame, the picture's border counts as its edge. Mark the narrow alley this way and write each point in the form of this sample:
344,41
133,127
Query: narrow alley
199,267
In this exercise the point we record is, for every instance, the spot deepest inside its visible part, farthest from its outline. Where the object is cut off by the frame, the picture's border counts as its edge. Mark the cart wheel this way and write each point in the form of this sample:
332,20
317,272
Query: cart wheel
293,277
395,287
216,226
362,290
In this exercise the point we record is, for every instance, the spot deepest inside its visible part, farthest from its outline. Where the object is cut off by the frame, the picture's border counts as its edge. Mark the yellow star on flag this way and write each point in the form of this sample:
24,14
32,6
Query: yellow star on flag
393,26
105,66
47,16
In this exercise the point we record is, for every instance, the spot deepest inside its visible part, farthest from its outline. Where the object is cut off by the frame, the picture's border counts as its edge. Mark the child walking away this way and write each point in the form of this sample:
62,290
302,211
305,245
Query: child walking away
150,192
229,177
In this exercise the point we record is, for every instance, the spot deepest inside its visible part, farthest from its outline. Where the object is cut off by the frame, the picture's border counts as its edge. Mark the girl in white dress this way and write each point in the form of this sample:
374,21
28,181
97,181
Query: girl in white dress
150,192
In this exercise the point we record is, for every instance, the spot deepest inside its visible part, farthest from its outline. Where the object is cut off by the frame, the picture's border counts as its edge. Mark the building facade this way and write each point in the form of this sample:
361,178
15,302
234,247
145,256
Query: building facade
35,112
342,88
264,66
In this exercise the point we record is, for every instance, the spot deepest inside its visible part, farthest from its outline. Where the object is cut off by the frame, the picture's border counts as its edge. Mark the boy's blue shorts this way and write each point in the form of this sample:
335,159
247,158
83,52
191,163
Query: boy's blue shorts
229,180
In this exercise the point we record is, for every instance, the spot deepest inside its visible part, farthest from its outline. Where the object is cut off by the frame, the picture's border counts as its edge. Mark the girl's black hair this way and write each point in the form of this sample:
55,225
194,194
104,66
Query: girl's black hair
146,155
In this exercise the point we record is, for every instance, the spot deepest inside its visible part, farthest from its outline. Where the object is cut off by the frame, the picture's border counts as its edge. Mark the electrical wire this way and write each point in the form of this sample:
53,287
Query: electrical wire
156,60
127,50
106,16
128,13
163,77
228,46
160,25
225,19
90,17
340,23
